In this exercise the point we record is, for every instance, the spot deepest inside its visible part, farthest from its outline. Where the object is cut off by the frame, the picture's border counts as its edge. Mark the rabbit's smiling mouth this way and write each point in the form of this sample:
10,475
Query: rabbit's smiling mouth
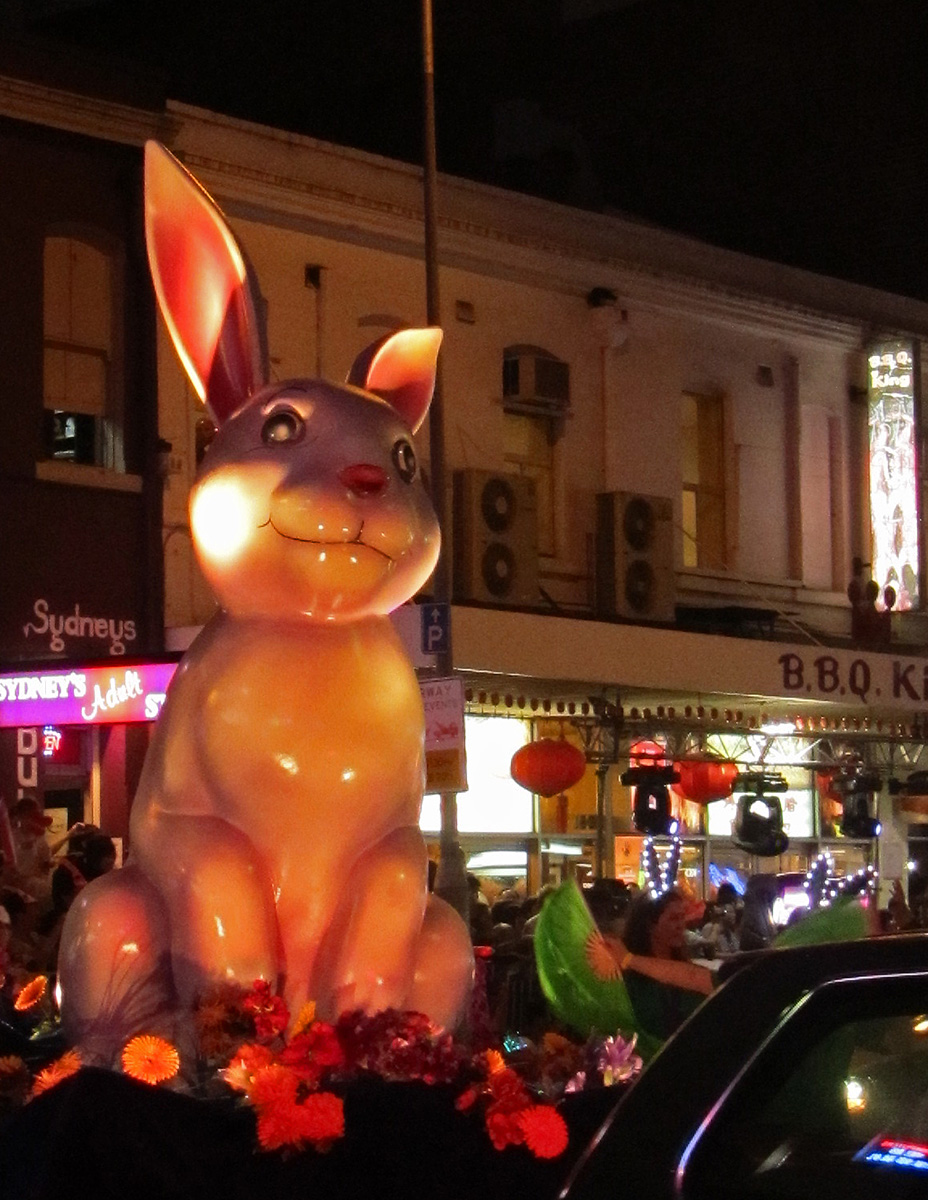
355,541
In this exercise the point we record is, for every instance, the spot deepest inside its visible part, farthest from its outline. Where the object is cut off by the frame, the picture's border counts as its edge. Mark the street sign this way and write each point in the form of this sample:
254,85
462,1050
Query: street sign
436,628
445,760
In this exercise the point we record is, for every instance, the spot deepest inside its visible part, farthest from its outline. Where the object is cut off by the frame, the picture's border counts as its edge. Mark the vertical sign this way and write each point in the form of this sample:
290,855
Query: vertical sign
445,760
893,473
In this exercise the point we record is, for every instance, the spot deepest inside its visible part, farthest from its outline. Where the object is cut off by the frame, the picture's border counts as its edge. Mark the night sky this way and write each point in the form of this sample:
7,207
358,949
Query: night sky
791,129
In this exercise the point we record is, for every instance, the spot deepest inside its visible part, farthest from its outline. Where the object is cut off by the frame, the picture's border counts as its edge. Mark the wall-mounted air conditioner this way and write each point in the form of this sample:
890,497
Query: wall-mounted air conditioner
634,557
536,384
495,538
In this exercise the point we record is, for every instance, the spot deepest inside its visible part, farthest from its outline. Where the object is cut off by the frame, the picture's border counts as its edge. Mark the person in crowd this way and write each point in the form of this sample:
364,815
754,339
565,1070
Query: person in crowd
720,930
664,986
608,901
757,929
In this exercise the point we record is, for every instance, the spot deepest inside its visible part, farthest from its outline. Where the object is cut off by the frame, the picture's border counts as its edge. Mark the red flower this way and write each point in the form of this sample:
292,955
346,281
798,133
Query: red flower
313,1052
323,1118
273,1087
280,1125
467,1099
244,1065
507,1090
320,1119
268,1011
505,1129
544,1129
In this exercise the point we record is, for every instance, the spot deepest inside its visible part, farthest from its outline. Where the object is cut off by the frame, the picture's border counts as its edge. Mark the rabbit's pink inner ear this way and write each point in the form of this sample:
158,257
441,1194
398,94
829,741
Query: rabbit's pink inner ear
201,282
402,372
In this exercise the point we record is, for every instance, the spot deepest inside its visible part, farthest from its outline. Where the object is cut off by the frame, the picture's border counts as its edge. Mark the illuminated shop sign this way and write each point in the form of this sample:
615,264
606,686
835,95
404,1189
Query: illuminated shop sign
893,475
84,696
54,628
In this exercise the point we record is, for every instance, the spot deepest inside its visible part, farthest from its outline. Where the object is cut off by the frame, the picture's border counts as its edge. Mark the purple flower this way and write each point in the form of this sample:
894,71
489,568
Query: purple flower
617,1060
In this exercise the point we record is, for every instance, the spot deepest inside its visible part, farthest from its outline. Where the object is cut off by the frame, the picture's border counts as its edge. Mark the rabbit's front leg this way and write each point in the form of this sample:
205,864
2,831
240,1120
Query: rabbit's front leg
372,946
220,901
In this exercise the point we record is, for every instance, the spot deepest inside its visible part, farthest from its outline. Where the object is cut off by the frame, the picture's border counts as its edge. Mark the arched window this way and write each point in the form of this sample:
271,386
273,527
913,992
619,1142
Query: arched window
82,360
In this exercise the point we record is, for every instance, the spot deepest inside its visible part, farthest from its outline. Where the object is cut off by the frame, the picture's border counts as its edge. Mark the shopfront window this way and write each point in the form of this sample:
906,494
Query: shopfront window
493,802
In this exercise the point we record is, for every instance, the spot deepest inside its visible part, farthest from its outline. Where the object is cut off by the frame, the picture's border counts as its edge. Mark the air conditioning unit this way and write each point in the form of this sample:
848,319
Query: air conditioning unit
536,384
495,531
634,557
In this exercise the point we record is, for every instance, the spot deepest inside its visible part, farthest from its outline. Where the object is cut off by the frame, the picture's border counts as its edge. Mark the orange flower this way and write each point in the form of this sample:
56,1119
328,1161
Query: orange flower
495,1062
150,1059
304,1017
31,993
246,1062
61,1068
544,1129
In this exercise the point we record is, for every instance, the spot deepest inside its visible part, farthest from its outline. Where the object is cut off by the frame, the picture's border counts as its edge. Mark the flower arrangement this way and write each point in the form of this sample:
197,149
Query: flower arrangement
292,1073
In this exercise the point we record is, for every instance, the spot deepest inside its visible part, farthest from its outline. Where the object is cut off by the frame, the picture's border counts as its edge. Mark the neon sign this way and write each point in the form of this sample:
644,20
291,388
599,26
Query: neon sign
51,741
893,477
88,696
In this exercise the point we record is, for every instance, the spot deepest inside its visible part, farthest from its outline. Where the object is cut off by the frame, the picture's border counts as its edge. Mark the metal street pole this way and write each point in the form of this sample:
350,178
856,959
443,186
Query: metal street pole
451,877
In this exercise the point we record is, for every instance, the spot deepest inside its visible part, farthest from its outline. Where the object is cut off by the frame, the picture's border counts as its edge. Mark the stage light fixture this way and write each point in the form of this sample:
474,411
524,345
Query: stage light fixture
651,807
758,825
856,821
856,791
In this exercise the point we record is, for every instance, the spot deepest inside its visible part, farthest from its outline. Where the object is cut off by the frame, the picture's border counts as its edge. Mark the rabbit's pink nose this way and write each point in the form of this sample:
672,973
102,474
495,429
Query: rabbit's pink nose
364,479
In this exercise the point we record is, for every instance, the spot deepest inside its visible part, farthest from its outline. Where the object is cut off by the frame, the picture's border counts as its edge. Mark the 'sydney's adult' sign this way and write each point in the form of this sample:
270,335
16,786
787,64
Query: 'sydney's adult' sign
84,695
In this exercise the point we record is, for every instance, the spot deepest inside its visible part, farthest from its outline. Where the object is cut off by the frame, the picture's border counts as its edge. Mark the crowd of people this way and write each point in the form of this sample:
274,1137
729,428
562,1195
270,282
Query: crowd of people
39,880
669,948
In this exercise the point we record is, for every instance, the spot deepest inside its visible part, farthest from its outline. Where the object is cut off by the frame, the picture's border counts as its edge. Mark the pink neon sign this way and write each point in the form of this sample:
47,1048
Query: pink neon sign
85,696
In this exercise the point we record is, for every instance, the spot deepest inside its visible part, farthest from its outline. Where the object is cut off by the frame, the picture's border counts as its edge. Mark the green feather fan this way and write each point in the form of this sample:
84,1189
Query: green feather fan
844,921
568,949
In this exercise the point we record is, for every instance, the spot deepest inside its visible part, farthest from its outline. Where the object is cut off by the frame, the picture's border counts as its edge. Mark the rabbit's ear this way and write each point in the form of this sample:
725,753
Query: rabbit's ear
400,368
202,284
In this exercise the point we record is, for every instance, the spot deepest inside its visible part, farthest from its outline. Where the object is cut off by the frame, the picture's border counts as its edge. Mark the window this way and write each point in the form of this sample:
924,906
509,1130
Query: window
836,1101
703,499
528,451
536,400
81,367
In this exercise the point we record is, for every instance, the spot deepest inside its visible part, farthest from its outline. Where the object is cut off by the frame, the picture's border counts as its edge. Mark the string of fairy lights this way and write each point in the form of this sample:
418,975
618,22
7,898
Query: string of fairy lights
659,871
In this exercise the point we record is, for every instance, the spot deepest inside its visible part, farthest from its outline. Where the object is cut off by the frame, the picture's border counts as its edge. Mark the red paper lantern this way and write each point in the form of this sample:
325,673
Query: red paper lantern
704,782
547,766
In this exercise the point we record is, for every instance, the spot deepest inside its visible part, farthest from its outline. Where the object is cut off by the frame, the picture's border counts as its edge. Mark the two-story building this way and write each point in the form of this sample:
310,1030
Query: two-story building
665,465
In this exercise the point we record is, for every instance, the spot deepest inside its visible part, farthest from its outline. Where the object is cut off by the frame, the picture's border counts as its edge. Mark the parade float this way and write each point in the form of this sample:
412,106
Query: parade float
265,999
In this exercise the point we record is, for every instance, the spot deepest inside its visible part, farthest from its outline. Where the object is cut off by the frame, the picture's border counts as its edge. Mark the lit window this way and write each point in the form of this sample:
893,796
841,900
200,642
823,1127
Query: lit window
703,492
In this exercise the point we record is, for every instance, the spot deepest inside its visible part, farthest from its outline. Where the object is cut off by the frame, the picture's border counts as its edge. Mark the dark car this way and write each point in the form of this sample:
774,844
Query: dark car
803,1077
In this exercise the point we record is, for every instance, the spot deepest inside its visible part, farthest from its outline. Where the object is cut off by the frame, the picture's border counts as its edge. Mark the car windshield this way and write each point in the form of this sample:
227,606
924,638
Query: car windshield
836,1103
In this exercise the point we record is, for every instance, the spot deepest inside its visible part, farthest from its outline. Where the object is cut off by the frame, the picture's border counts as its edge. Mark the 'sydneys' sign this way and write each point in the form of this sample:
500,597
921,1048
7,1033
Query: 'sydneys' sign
866,679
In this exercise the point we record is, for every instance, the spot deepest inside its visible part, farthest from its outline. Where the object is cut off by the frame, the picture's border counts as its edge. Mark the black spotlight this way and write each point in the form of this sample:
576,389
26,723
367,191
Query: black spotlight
856,819
758,824
651,809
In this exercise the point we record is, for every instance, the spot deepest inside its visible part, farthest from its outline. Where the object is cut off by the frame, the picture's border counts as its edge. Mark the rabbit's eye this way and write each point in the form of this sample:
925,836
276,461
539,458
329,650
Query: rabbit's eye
405,459
284,425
